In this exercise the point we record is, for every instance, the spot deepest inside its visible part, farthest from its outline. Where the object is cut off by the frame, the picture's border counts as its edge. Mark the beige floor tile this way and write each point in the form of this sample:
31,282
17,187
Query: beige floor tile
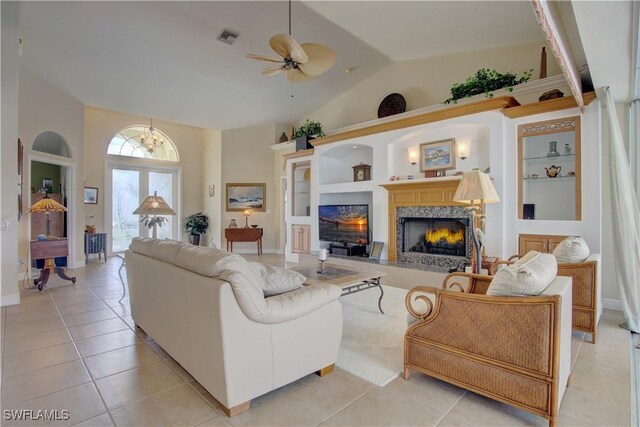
82,307
178,369
33,384
332,392
81,402
88,317
76,299
600,379
103,420
612,355
129,320
121,311
125,387
31,360
179,406
35,341
102,343
32,316
33,327
159,350
206,395
476,410
593,408
26,306
93,329
217,421
113,362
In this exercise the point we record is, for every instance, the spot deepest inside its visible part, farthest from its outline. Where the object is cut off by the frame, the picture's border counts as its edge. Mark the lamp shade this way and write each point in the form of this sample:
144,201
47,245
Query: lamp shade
154,205
476,185
46,204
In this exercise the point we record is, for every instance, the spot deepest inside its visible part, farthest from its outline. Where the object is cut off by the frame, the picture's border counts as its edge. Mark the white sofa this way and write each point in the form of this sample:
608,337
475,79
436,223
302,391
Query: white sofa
235,342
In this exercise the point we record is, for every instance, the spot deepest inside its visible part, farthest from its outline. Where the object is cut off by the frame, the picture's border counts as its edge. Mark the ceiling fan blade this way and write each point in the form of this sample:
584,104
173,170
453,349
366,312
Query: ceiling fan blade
271,71
285,46
321,58
262,58
297,76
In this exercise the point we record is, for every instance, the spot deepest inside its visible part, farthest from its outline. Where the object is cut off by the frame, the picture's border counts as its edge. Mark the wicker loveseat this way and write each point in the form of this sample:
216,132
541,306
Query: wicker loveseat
516,350
587,306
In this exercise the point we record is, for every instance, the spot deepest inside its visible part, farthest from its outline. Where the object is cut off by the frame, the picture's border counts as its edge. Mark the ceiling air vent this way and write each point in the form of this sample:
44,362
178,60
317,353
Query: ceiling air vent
228,37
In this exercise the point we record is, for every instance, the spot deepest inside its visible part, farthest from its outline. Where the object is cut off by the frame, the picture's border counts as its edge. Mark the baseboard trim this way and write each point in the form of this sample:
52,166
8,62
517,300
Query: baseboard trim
612,304
77,264
12,299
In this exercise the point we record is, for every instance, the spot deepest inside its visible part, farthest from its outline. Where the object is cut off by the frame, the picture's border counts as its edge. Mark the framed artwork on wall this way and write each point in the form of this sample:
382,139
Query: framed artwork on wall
376,250
244,196
90,195
438,155
47,184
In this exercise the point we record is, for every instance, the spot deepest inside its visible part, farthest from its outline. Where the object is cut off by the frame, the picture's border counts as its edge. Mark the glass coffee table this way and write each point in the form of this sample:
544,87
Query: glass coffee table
350,280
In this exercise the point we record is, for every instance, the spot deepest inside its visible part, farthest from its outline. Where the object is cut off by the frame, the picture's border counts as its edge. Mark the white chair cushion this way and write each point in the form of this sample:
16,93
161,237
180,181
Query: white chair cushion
141,245
276,280
203,260
573,249
165,250
530,275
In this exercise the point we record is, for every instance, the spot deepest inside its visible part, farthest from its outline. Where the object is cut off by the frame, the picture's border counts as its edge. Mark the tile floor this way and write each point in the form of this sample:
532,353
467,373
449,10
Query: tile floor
75,348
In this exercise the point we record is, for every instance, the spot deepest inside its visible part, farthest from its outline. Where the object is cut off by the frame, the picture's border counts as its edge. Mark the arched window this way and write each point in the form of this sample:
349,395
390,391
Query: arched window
143,142
51,143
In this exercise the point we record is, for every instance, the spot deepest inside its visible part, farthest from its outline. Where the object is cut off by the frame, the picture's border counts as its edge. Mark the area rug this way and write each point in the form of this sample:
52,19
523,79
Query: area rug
372,343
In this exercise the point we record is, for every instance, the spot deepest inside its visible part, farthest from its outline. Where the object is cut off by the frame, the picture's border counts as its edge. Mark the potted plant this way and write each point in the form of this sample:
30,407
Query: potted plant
195,225
486,81
91,226
309,130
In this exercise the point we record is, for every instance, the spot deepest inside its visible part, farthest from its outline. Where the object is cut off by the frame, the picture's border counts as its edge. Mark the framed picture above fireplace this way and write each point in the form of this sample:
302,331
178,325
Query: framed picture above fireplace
438,155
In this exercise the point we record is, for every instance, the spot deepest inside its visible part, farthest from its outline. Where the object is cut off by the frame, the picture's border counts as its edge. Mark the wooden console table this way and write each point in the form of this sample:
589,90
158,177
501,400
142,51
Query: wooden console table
243,235
48,250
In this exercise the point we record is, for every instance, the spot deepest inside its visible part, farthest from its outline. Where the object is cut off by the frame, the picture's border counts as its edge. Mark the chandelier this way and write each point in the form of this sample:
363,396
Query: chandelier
151,140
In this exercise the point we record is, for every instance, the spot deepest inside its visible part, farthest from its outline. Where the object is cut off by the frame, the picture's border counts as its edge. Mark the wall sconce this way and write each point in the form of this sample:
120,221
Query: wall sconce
413,155
463,148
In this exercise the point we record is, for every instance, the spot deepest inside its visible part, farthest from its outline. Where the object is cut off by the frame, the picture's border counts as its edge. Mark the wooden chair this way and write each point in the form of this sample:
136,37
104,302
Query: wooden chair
586,291
516,350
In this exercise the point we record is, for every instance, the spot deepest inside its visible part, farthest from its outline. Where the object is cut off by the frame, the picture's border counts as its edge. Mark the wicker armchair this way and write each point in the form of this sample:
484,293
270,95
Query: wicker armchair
516,350
587,306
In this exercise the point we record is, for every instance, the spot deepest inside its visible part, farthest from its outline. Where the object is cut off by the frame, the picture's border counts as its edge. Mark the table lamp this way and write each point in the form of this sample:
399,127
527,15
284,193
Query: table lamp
476,186
47,205
246,218
151,207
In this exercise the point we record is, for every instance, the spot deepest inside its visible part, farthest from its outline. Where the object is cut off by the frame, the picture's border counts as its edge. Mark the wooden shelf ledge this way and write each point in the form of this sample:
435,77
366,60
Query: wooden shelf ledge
546,106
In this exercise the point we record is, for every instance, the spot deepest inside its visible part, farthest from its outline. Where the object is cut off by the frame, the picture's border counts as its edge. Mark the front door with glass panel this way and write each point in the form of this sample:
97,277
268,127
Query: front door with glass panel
130,186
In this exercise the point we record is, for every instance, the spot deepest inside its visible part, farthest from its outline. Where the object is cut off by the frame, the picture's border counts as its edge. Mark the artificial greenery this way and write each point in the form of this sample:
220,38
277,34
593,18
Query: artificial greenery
196,224
148,221
486,81
309,128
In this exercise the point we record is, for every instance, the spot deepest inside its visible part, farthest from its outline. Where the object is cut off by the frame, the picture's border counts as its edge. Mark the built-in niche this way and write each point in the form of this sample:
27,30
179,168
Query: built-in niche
51,143
346,199
336,164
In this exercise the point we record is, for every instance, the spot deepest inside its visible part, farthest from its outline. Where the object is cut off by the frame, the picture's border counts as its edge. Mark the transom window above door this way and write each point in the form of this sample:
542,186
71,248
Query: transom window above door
145,142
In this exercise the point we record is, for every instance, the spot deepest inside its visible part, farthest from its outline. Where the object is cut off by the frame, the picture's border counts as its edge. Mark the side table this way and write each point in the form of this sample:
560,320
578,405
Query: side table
95,243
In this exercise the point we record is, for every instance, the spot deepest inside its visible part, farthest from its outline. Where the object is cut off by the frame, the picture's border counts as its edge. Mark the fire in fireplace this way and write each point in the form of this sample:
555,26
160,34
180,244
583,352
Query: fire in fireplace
436,236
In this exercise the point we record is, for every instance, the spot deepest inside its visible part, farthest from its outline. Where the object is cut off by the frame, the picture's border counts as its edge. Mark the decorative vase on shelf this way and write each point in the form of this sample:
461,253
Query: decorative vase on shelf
233,224
553,149
283,138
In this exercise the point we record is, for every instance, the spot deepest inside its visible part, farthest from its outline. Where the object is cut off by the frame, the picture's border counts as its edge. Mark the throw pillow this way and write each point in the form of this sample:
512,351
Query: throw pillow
276,280
528,276
571,250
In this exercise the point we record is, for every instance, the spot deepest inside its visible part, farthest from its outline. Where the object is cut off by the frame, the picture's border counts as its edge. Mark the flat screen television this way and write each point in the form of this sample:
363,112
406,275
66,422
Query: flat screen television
340,223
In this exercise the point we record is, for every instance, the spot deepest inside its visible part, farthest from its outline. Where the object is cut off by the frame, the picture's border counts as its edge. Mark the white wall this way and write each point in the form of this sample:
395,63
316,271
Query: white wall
212,175
247,158
425,82
44,107
102,125
9,290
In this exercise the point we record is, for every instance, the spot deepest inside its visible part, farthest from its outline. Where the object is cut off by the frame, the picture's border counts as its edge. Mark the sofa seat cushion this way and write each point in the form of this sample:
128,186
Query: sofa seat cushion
573,249
204,260
276,280
530,275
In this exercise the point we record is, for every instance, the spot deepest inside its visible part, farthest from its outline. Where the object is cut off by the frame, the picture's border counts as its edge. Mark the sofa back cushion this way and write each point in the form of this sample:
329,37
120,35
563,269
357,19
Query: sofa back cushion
573,249
166,250
141,245
276,280
530,275
205,261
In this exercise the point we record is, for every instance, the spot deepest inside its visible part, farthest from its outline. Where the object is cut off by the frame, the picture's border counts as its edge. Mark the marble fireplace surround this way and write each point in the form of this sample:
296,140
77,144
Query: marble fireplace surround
449,212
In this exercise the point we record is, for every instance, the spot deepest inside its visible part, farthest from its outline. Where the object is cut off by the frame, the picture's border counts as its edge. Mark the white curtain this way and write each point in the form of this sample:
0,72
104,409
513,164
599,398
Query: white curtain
625,220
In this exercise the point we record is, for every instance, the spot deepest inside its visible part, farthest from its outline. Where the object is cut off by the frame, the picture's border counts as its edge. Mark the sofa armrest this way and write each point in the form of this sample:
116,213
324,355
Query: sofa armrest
297,303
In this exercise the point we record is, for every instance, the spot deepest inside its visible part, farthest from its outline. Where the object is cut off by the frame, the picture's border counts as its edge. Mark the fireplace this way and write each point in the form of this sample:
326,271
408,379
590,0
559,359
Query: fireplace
436,236
433,235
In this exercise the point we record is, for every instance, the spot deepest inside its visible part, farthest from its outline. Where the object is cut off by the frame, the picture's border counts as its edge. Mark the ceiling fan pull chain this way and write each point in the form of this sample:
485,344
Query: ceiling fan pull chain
291,88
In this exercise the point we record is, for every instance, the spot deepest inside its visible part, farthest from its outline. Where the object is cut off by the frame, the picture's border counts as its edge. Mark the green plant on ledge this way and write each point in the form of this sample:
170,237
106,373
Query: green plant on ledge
309,128
486,81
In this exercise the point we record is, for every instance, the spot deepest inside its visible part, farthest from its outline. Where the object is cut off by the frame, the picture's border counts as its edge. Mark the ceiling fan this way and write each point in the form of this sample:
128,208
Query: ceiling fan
300,61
